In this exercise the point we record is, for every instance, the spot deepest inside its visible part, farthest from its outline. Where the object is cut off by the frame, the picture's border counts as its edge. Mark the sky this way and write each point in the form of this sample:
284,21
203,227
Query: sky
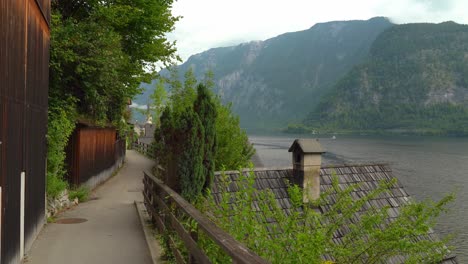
208,24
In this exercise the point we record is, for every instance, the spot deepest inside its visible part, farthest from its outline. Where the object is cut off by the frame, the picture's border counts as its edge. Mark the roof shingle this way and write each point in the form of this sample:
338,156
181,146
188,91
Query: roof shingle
366,176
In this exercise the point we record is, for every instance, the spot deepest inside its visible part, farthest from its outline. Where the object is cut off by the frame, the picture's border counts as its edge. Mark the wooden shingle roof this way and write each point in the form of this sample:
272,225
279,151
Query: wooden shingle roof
368,177
307,145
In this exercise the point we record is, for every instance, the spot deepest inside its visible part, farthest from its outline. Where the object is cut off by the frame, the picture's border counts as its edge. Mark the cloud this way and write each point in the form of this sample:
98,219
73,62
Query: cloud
438,5
138,106
434,11
214,23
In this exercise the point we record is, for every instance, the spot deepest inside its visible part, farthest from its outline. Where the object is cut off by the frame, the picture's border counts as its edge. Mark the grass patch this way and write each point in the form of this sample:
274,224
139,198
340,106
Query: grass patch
51,219
82,193
55,185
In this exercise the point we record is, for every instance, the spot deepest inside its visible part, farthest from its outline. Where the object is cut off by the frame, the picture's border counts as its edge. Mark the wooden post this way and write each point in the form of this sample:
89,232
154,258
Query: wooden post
166,200
22,204
152,193
1,210
194,235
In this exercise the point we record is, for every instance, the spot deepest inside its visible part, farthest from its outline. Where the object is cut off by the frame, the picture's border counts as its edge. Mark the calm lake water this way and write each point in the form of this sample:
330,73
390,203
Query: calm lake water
428,167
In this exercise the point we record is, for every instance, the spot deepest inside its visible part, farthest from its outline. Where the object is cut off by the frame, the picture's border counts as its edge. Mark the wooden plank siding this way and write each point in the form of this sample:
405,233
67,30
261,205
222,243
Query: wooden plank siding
24,80
92,150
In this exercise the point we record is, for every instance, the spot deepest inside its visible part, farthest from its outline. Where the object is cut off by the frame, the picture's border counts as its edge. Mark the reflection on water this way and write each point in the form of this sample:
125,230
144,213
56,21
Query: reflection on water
428,167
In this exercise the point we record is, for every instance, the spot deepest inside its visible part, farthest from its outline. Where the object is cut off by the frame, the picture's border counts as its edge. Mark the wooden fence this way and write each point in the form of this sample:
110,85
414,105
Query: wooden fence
160,199
143,148
92,153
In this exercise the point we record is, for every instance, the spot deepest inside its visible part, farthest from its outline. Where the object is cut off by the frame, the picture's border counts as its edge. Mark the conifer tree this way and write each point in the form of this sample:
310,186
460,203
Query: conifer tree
205,107
190,166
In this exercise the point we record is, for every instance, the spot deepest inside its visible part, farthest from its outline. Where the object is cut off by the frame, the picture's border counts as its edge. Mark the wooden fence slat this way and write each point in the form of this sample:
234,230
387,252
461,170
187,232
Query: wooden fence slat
191,245
144,149
183,234
237,251
178,256
155,215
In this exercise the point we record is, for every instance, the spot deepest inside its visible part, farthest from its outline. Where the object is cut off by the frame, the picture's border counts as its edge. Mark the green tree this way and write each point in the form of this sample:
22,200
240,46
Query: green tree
182,94
100,53
158,101
190,166
233,147
217,122
206,110
395,89
60,128
209,80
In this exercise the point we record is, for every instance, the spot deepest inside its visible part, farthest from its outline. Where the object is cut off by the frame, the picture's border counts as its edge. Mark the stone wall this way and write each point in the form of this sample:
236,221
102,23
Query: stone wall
62,202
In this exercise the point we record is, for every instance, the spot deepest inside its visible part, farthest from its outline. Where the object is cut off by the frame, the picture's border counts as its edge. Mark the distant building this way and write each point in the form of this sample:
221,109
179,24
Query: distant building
309,173
146,130
138,129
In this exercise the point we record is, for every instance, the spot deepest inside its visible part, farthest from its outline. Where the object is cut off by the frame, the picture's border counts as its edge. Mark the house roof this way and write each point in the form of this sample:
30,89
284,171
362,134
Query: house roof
368,177
307,145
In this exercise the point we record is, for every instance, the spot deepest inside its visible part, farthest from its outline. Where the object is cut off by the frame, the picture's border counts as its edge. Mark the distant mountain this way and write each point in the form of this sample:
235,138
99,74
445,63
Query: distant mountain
276,81
415,80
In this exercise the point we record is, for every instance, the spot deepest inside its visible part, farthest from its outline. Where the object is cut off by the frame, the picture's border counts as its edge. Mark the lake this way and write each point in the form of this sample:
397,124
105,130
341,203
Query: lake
428,167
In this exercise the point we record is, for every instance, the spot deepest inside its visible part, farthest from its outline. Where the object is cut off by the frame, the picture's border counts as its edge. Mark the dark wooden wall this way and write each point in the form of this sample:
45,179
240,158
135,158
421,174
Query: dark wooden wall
92,150
24,59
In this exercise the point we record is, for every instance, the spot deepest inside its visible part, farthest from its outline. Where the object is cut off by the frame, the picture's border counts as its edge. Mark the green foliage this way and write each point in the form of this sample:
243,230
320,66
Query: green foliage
182,95
306,235
191,168
233,147
141,25
205,107
412,82
82,193
87,63
181,143
158,101
100,52
61,125
51,219
55,185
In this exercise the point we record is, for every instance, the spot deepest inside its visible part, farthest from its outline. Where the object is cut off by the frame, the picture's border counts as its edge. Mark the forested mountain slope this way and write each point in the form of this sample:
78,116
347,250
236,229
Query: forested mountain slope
276,81
415,80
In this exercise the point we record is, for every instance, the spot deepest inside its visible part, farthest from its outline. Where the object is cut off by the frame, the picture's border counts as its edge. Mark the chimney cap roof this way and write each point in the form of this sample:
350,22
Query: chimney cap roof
307,145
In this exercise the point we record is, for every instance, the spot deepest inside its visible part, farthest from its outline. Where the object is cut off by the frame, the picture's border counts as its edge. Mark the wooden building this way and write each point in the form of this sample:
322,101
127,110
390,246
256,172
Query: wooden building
24,80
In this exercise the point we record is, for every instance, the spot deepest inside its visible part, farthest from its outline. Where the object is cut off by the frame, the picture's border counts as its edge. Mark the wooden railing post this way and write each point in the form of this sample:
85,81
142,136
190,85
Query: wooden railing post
145,149
166,206
194,236
151,199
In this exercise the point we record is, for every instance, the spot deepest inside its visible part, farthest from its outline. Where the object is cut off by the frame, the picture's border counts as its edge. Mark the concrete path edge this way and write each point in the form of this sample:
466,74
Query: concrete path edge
153,245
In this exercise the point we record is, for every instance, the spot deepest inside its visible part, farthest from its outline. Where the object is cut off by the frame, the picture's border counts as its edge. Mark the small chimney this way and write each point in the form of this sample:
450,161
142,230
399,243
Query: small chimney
307,160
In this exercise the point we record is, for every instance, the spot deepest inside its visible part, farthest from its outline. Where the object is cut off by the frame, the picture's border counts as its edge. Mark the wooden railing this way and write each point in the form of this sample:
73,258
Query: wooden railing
161,202
143,148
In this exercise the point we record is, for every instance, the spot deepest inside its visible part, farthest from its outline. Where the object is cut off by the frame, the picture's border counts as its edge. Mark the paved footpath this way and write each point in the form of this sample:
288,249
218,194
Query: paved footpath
113,232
